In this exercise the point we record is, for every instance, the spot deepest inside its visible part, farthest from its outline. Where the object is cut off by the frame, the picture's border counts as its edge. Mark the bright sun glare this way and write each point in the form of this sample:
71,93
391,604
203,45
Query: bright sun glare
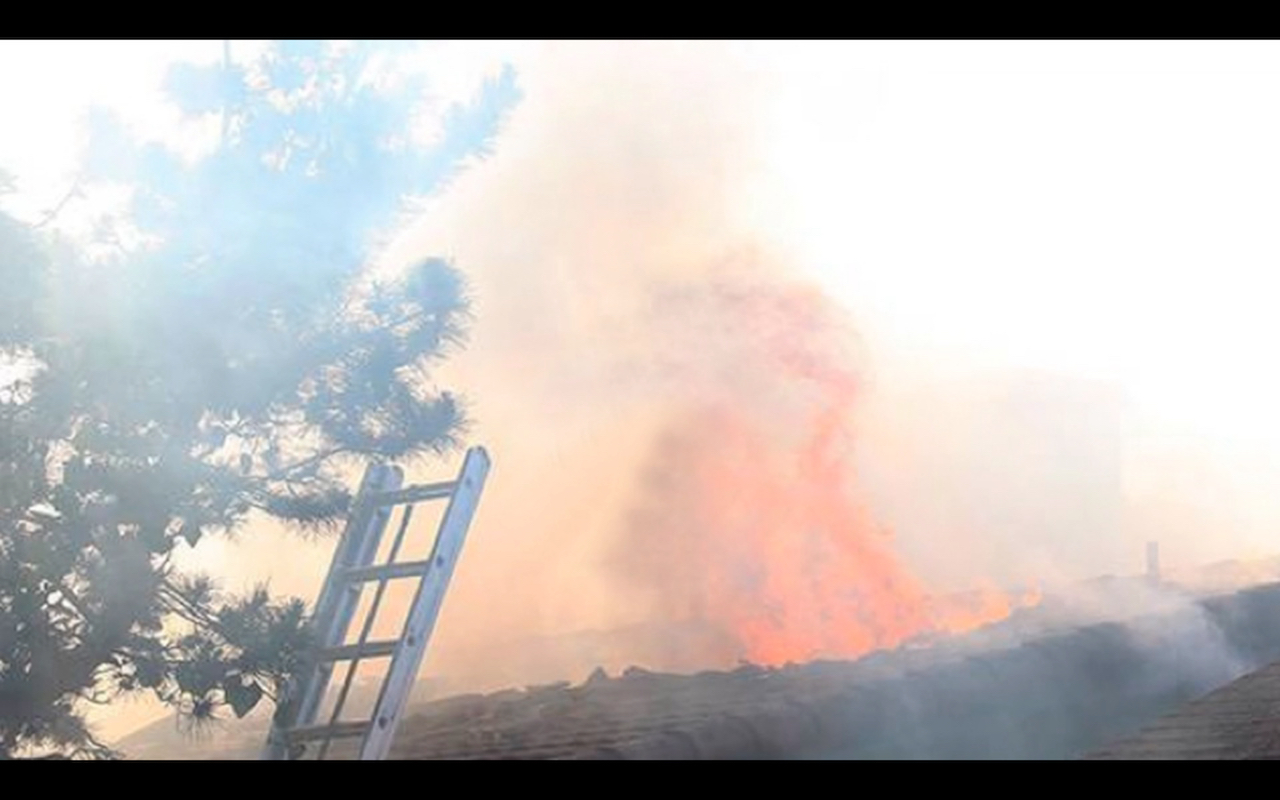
1091,208
1098,209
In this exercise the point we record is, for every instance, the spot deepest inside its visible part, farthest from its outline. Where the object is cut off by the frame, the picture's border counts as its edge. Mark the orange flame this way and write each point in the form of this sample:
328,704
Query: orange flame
752,521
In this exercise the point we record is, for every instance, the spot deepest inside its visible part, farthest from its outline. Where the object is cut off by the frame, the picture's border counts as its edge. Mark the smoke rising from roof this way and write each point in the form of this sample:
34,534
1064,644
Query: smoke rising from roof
609,243
623,298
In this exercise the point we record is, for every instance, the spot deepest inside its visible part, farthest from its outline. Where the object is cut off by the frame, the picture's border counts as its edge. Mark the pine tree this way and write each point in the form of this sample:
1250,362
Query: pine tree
226,354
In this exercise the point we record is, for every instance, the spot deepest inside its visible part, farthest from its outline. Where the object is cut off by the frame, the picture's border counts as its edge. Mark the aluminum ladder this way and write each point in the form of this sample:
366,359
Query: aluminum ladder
295,729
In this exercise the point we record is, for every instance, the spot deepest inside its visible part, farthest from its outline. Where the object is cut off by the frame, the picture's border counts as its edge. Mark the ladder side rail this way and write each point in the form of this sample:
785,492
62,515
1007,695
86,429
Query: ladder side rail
346,595
366,628
407,659
354,544
353,550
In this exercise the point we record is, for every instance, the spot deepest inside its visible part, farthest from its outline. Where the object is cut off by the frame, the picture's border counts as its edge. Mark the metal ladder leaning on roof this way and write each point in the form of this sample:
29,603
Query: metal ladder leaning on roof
295,729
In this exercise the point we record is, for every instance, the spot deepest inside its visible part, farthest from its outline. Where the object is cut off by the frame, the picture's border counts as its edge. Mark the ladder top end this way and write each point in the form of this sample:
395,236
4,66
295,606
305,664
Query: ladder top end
480,453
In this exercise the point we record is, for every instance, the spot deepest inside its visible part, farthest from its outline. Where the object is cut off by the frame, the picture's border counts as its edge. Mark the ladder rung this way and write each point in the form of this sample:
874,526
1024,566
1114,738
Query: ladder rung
412,494
405,569
338,730
347,652
380,491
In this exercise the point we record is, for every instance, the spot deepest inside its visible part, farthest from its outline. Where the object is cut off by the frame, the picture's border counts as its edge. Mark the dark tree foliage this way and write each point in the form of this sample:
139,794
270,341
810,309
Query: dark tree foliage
230,358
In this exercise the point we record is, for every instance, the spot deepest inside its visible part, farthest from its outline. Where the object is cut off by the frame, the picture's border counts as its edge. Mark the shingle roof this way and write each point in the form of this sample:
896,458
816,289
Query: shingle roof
1240,721
1016,690
1055,696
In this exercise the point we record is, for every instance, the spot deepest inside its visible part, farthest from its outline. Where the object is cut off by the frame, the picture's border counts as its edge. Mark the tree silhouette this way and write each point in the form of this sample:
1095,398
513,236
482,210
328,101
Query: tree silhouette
224,353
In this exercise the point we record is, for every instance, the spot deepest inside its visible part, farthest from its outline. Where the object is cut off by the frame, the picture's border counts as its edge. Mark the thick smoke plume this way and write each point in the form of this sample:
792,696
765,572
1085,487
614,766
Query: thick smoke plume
680,419
671,405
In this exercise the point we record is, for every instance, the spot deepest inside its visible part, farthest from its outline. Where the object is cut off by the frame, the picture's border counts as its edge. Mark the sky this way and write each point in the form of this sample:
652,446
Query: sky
1068,243
951,193
1050,188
